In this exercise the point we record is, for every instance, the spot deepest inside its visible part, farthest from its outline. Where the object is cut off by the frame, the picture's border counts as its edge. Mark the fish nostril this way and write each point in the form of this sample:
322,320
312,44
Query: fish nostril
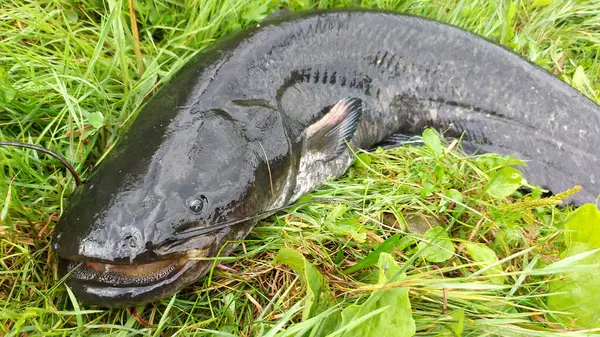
129,245
129,241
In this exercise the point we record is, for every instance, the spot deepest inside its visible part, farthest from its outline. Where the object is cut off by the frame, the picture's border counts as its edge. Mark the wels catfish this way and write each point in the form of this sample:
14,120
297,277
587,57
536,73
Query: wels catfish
271,113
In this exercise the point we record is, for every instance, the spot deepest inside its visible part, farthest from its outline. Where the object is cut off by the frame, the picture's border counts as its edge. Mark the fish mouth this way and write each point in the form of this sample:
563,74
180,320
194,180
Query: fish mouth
124,275
118,285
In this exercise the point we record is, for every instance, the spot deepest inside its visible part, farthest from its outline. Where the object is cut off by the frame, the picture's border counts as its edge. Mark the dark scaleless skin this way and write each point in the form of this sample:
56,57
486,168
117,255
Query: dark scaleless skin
209,133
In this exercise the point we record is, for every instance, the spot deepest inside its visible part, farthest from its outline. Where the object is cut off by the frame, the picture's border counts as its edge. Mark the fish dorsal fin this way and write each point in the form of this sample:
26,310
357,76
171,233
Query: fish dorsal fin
329,135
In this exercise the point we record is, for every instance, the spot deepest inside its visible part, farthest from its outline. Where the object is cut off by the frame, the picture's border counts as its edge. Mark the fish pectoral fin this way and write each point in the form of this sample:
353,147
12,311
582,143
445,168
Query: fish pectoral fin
329,135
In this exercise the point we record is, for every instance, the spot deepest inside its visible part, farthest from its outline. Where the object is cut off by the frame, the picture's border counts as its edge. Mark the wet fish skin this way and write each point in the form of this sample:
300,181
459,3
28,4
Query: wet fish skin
231,128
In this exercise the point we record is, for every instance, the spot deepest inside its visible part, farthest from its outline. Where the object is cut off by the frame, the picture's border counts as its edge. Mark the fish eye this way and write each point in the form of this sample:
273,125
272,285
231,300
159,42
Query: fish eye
197,204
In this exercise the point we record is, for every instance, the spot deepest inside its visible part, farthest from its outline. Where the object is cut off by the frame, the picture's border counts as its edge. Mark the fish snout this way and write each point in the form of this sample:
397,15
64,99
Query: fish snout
130,244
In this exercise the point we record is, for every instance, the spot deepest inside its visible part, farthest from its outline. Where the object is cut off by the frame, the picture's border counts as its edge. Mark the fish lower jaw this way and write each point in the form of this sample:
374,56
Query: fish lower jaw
127,275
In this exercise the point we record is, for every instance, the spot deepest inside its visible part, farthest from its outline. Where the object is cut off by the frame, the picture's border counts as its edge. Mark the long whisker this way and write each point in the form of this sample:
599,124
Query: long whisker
48,152
205,230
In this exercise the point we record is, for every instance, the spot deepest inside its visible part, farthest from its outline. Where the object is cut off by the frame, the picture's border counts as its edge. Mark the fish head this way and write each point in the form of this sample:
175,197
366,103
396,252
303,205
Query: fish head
159,208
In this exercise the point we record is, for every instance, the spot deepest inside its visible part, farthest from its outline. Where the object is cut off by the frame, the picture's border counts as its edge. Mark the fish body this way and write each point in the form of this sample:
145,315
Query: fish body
269,114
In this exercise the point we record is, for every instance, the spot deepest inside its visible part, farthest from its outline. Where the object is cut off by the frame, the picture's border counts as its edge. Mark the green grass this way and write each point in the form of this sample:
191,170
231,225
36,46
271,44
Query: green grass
72,74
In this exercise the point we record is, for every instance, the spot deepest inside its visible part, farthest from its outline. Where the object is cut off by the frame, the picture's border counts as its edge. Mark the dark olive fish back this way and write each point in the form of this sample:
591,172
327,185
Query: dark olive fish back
412,72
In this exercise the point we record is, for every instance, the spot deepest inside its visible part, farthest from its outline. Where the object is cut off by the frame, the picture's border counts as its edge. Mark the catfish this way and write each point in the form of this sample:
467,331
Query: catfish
268,114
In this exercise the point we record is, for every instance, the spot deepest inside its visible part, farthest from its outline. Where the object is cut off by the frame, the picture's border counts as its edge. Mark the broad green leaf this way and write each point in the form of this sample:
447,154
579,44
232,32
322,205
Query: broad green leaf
363,160
512,233
394,317
458,326
348,227
306,328
579,78
96,119
486,257
154,16
7,92
577,290
583,226
453,195
493,161
256,12
371,259
71,16
230,305
439,247
406,241
504,183
318,295
433,142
